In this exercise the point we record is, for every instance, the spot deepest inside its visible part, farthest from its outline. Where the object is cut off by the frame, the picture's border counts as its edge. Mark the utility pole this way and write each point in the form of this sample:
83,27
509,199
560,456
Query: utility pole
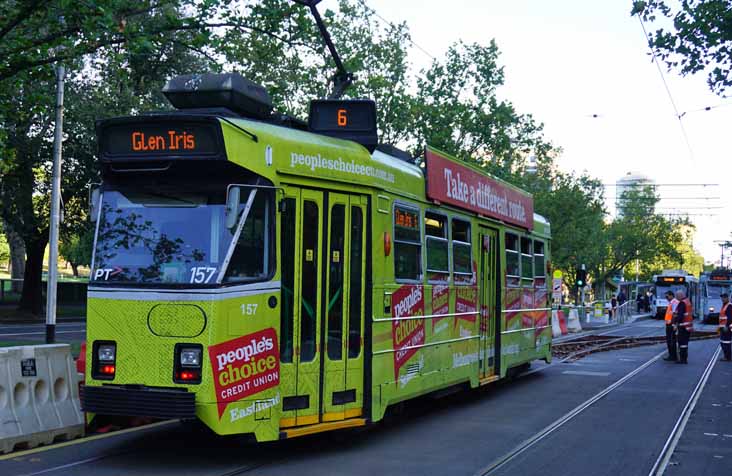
55,210
722,245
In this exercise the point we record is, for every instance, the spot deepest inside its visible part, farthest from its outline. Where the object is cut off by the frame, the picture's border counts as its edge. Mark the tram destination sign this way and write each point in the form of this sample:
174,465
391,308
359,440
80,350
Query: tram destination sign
453,183
129,139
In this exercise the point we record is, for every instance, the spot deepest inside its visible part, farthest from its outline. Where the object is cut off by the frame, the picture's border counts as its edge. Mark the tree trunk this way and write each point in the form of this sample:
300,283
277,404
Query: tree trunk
75,269
31,300
17,257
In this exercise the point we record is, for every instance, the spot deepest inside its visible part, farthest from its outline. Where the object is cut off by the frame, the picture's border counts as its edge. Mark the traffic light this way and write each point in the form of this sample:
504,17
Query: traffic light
581,279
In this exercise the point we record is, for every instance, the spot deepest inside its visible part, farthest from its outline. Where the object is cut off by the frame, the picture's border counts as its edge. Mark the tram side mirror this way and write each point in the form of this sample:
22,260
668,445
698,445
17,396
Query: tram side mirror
232,206
94,196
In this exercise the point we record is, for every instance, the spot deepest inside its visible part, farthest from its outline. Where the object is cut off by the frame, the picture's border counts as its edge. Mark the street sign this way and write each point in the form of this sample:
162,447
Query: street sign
557,289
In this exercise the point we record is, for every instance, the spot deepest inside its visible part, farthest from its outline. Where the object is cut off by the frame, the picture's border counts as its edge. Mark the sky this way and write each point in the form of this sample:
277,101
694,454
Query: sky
567,60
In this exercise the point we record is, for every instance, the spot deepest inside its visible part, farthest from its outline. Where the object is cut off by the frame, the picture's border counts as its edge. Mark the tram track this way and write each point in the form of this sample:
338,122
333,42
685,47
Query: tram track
668,448
659,467
560,422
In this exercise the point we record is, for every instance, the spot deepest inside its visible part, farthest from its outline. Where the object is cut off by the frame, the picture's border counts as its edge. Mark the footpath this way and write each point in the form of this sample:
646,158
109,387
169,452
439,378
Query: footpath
601,324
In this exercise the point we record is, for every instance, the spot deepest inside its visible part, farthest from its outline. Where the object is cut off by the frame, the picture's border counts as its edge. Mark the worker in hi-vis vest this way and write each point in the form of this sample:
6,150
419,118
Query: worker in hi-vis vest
670,333
725,327
684,325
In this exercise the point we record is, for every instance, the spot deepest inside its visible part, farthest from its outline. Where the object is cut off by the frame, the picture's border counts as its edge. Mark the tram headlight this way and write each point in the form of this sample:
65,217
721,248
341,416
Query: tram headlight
187,363
104,357
190,357
711,309
106,352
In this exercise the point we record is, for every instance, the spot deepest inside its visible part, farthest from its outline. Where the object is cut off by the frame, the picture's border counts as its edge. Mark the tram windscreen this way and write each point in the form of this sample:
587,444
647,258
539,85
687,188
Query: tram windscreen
154,236
661,290
713,291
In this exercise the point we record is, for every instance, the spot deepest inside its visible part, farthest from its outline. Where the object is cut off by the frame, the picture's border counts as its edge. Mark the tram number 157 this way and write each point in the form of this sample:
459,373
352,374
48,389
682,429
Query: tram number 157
202,274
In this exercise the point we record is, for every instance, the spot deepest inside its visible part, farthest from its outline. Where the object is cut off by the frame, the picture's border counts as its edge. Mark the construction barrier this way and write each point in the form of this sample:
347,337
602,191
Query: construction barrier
562,322
39,396
556,330
573,324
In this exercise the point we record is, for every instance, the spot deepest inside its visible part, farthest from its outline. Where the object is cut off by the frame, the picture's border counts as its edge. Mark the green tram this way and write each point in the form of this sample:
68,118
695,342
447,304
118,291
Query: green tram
275,278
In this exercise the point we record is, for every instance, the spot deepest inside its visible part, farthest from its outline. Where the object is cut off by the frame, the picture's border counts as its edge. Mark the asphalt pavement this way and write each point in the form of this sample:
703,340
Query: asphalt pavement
705,447
622,432
26,333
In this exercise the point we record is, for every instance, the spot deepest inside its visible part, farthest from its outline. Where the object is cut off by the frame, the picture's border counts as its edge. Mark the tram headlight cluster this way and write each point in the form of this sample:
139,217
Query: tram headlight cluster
104,360
187,364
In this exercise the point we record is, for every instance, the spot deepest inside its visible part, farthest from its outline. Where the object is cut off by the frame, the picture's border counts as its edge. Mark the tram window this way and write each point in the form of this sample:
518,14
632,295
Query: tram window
309,287
407,244
252,258
287,243
335,282
461,252
356,283
539,263
435,229
512,258
527,260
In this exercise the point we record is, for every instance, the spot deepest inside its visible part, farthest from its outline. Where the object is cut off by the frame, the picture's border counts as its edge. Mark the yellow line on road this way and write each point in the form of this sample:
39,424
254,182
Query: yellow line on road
77,441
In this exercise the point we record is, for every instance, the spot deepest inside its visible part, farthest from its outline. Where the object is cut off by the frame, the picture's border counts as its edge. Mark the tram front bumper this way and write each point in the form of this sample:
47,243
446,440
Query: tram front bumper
138,400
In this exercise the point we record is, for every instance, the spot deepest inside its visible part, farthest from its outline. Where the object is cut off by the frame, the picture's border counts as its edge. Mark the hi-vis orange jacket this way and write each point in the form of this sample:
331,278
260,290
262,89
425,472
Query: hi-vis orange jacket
687,320
669,317
723,315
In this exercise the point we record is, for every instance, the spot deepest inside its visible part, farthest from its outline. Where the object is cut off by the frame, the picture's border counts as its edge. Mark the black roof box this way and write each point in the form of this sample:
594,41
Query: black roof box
211,90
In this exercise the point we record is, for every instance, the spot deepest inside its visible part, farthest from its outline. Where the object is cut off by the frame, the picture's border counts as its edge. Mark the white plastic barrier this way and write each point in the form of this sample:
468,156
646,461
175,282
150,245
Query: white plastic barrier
573,323
556,329
39,396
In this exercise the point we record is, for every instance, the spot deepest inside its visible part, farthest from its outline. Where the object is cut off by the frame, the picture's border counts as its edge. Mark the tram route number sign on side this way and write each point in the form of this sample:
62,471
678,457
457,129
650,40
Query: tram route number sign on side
28,367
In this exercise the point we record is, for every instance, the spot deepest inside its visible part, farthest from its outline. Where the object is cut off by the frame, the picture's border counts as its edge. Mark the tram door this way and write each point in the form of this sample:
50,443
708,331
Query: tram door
322,239
489,304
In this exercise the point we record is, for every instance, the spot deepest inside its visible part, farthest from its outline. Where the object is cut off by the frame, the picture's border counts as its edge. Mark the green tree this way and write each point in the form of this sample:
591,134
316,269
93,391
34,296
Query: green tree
699,38
77,250
457,110
640,233
684,257
115,80
574,205
292,63
4,249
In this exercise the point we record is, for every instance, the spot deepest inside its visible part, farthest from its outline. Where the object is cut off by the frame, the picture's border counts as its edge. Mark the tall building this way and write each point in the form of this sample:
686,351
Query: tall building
630,182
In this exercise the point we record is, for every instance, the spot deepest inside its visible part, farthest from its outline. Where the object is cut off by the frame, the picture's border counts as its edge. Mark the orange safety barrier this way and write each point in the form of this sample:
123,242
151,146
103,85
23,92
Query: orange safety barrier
562,322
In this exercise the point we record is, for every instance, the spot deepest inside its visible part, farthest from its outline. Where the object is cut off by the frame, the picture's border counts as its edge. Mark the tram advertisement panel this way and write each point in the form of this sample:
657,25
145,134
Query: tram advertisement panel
407,334
456,184
440,306
245,366
466,302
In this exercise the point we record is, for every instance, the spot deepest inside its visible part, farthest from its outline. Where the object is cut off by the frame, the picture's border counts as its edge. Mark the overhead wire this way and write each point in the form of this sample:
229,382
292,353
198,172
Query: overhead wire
377,15
668,91
706,108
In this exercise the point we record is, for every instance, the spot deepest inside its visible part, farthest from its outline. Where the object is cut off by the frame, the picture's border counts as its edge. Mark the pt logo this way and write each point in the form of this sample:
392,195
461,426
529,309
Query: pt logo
105,273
